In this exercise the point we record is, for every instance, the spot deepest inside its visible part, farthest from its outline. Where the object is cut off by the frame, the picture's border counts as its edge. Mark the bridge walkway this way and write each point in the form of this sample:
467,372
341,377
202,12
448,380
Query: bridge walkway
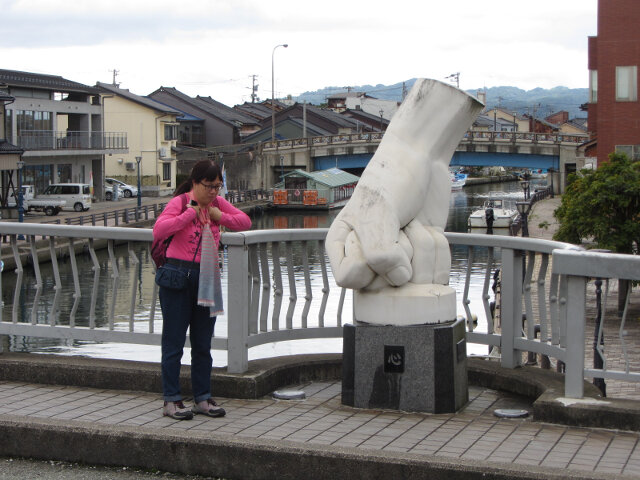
312,438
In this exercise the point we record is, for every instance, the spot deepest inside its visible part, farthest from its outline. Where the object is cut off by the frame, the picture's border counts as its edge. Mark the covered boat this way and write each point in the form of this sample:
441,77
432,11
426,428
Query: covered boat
322,189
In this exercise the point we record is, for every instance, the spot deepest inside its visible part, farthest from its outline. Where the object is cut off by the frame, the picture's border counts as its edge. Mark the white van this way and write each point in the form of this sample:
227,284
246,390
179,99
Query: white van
77,196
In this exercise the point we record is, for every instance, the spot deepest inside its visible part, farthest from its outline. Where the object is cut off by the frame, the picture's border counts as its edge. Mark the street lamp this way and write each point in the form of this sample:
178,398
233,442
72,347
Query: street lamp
138,160
273,93
526,189
523,209
20,165
598,338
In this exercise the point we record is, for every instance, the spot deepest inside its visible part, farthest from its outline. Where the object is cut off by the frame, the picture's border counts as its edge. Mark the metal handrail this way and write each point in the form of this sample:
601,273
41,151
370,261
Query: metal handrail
71,140
540,298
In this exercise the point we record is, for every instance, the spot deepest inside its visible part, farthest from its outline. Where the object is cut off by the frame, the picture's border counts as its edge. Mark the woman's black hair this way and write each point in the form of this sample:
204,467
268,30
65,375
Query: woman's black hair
203,170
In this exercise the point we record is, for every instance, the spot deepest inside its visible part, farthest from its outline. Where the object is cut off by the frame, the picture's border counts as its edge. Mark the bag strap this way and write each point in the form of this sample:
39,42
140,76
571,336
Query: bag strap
185,199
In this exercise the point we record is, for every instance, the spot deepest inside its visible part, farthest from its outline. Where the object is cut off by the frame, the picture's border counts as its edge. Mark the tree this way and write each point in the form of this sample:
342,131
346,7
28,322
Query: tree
603,206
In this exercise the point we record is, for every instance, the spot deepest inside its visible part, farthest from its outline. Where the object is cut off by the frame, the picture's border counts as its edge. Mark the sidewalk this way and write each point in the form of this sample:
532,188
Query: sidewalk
313,438
542,211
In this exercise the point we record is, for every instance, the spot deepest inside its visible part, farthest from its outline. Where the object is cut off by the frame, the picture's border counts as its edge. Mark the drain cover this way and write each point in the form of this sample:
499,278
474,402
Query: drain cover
289,395
510,413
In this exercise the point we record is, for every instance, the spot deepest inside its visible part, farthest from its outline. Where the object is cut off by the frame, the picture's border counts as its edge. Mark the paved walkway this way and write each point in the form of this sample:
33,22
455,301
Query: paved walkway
542,213
471,437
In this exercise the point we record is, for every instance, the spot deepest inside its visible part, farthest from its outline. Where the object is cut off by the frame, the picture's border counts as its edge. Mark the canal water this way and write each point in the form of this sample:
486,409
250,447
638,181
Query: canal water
20,295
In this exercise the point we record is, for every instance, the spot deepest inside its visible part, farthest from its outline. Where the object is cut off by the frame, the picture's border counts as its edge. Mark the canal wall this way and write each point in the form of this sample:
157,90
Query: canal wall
491,179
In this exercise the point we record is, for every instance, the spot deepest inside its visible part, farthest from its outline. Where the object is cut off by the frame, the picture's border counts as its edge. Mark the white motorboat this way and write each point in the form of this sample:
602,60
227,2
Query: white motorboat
503,214
458,180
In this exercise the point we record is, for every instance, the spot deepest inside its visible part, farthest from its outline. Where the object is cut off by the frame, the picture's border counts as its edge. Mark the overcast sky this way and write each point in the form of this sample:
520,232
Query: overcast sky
213,47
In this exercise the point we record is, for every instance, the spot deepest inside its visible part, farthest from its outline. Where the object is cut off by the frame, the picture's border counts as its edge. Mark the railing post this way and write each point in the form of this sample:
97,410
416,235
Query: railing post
574,361
511,308
238,309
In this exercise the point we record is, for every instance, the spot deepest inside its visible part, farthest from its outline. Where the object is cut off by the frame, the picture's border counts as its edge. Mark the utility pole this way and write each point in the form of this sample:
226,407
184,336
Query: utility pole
404,91
254,89
273,94
533,119
115,74
456,77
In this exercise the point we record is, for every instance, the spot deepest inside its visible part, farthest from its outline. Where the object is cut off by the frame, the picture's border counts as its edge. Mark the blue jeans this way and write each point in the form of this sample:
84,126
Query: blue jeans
179,312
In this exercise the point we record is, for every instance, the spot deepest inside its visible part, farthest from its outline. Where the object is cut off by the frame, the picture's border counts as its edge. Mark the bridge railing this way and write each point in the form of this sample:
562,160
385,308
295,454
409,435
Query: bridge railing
470,136
531,137
326,140
532,299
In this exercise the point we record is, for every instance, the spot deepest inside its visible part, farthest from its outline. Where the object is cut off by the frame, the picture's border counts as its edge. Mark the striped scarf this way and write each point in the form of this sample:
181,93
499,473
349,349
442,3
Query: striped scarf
210,286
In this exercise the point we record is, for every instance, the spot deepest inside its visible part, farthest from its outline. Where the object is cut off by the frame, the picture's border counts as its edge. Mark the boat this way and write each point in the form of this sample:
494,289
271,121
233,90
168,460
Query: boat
319,190
503,214
537,173
458,180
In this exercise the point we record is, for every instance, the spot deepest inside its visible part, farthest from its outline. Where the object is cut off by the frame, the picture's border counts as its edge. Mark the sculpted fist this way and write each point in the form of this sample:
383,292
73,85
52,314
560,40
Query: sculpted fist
392,229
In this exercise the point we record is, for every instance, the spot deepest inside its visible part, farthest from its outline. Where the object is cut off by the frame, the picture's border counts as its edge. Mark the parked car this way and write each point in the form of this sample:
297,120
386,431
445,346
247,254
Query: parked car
124,189
47,205
76,196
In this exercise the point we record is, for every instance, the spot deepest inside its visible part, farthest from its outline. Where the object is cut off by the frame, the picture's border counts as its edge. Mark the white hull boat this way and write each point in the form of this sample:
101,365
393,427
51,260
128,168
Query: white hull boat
503,215
458,180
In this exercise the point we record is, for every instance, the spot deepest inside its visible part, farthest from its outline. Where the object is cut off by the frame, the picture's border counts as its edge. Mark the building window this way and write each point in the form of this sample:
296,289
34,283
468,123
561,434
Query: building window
8,126
631,151
166,171
593,86
29,120
170,132
64,173
627,84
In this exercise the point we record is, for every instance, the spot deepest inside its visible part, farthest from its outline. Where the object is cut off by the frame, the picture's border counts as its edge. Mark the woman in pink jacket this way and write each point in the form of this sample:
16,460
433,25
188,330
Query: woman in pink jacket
190,294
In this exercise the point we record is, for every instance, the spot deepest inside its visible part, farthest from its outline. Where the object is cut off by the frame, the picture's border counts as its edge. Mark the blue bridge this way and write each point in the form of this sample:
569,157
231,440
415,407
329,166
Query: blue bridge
353,151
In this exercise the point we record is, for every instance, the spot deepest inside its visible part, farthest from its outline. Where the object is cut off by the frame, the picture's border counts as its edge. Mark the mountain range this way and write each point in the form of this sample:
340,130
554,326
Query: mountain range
543,102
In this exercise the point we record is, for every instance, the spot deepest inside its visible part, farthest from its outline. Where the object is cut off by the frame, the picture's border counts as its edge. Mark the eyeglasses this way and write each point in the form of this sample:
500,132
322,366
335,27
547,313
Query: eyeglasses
212,187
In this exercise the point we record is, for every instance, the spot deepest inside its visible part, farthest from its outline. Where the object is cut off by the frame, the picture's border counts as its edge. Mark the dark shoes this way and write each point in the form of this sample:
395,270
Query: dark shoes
177,410
208,407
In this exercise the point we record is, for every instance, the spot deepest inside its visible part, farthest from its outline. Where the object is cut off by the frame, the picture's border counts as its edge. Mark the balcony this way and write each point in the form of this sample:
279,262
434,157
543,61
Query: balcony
72,140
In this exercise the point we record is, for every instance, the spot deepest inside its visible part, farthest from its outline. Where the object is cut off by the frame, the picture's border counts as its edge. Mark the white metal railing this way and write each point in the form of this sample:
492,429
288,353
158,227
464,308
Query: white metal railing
71,140
280,288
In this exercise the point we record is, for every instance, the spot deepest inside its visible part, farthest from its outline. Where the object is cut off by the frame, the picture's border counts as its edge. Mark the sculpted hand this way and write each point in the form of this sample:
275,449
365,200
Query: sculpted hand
392,230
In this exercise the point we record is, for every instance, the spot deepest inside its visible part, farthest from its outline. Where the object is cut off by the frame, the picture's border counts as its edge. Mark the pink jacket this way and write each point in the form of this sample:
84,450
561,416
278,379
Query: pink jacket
186,229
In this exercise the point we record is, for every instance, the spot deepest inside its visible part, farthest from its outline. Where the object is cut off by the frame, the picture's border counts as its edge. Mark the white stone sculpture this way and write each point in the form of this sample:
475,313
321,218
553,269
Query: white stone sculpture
388,242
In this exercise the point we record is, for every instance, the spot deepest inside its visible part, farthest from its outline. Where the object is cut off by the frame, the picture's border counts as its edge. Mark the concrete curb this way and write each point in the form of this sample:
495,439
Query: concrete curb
249,459
545,388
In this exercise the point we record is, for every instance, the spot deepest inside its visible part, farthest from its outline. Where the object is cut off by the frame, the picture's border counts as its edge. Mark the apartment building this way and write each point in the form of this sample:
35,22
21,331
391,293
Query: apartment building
614,56
58,124
152,130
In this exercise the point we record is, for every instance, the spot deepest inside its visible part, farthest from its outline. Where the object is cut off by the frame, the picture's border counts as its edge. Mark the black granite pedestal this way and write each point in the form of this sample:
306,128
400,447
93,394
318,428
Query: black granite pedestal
419,368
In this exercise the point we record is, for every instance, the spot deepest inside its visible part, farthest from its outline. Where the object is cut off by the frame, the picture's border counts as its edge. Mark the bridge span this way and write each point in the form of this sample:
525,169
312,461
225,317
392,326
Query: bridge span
353,151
